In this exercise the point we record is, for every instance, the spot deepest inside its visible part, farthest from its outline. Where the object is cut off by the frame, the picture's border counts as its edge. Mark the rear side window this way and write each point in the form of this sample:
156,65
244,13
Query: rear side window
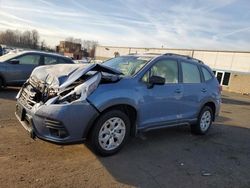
49,60
64,61
190,73
206,74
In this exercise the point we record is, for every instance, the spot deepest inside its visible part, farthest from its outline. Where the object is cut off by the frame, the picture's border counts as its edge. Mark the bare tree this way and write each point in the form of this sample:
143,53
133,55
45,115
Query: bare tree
88,46
43,45
69,39
26,39
73,40
35,38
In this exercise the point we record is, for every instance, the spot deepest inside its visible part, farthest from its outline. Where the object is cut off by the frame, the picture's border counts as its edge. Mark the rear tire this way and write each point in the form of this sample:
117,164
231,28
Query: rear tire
204,121
110,133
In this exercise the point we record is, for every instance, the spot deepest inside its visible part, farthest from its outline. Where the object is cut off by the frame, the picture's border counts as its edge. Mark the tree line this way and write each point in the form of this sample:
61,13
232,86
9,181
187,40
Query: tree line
16,38
88,46
30,39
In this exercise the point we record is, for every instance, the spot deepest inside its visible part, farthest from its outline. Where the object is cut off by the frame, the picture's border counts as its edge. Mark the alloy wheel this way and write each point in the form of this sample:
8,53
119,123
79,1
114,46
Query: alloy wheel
205,121
112,133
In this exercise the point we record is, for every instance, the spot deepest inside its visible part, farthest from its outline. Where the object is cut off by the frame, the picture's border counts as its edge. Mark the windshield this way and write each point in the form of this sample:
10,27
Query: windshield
128,65
7,57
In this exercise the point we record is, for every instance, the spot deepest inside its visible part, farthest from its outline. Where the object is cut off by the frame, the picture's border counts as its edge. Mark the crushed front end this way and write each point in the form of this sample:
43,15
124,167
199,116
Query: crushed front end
59,112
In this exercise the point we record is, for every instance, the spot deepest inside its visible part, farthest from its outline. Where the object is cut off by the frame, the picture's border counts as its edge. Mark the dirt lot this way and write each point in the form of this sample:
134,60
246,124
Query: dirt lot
165,158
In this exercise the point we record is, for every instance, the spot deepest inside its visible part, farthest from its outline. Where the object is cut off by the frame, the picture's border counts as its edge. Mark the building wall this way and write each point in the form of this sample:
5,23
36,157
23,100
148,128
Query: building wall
230,61
239,83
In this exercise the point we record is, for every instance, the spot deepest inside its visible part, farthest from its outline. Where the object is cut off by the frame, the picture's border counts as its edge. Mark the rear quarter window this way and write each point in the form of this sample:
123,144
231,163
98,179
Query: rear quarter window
207,75
64,61
50,60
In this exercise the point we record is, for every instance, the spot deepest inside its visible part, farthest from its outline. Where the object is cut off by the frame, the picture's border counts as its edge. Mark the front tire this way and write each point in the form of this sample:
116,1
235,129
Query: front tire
110,132
204,121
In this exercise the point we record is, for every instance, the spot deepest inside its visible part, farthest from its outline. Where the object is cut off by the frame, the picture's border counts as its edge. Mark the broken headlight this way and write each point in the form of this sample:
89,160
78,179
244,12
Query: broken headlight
82,91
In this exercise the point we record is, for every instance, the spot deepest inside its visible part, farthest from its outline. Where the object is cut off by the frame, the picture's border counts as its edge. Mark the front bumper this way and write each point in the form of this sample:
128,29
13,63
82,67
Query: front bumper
58,123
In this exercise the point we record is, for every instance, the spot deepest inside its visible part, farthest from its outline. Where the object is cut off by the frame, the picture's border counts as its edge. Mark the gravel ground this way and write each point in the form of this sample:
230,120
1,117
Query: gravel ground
164,158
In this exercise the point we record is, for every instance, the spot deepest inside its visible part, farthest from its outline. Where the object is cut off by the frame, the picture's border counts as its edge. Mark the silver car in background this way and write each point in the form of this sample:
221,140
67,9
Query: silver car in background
15,68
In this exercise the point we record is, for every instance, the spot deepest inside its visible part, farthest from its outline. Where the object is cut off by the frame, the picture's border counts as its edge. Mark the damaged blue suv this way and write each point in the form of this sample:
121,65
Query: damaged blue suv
107,103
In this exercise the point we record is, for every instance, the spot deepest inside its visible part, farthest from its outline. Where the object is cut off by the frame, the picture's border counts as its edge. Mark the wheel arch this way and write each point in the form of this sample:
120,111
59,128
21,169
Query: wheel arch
128,109
212,105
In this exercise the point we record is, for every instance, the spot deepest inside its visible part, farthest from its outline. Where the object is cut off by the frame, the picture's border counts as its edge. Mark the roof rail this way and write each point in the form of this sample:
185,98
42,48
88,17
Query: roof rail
185,56
152,53
145,54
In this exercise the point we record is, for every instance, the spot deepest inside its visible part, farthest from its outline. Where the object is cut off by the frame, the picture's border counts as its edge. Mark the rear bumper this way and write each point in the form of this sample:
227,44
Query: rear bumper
217,107
57,123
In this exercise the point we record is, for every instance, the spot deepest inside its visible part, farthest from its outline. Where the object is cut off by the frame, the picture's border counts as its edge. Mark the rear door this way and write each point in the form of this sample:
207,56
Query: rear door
19,73
161,103
193,91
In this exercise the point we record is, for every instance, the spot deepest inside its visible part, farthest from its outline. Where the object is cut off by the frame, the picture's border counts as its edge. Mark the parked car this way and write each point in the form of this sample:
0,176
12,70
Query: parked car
1,50
106,103
15,68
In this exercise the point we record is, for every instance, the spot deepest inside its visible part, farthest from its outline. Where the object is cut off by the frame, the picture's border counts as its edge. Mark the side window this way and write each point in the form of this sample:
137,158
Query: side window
49,60
31,59
167,69
206,74
190,73
61,61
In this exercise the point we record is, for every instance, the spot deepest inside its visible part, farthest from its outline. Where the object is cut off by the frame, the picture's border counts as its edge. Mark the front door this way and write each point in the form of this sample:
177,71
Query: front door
161,103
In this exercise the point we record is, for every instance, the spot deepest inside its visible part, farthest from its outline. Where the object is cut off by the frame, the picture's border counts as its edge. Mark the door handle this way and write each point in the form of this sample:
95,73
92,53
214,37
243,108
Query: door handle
177,91
203,90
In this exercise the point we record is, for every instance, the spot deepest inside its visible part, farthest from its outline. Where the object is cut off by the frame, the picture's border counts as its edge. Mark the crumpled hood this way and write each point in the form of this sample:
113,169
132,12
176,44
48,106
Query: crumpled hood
62,75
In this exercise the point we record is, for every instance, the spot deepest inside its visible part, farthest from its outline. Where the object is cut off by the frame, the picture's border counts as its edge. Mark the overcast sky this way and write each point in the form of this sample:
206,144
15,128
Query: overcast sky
199,24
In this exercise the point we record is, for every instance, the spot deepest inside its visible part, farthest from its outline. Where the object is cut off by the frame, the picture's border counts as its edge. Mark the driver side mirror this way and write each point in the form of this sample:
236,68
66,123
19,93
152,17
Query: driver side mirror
156,80
14,61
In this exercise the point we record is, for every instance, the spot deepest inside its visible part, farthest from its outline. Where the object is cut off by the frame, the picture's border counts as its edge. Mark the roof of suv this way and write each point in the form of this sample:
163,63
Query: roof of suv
186,57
